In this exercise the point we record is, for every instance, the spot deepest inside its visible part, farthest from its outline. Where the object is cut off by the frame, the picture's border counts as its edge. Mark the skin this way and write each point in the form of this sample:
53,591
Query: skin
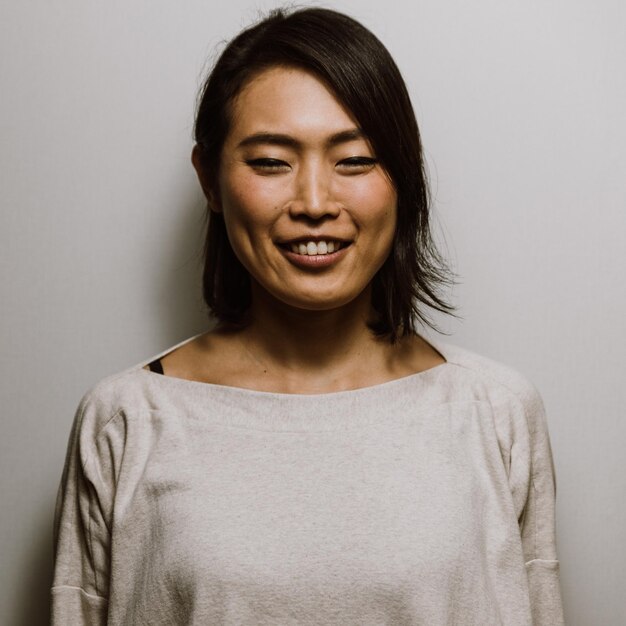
295,165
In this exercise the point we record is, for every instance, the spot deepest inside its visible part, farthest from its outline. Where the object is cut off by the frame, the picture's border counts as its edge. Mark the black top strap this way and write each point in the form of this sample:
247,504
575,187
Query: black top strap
156,366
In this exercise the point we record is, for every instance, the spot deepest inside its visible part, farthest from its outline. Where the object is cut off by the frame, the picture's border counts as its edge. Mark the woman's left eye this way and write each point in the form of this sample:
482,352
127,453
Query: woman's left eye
357,164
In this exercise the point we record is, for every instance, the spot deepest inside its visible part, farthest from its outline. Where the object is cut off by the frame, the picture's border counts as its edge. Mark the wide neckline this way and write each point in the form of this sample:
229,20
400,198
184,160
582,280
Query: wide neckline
246,391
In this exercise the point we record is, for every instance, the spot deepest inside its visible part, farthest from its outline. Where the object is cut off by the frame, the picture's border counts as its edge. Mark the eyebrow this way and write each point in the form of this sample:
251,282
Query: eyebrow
277,139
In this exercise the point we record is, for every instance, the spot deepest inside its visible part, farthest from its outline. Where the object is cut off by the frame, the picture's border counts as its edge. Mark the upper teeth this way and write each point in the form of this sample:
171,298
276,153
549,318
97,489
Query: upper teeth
312,248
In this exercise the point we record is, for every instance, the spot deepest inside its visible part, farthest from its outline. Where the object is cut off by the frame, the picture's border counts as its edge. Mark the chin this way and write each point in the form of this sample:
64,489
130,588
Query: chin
318,302
327,304
312,297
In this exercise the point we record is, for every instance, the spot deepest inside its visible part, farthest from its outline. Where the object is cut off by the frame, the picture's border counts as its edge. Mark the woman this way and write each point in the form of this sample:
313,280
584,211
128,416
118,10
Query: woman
312,460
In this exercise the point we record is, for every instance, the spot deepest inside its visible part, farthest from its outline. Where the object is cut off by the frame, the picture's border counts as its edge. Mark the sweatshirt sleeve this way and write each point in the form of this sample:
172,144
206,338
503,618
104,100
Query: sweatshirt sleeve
537,515
82,527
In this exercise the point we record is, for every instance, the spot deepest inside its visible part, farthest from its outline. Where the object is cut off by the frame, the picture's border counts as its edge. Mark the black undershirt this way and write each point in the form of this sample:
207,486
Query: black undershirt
156,366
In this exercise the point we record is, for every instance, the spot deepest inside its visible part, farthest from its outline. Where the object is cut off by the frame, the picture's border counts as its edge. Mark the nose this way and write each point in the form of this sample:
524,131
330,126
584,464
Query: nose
313,197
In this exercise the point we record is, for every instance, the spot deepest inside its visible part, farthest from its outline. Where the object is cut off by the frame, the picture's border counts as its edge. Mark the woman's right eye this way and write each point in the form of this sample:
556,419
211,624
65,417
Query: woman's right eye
268,165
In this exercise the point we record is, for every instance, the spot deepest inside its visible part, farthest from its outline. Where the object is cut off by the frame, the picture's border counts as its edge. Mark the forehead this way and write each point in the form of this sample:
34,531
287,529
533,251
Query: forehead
288,100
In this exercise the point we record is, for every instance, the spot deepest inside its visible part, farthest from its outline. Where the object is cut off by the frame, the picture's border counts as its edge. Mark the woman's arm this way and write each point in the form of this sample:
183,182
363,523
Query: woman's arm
82,529
537,520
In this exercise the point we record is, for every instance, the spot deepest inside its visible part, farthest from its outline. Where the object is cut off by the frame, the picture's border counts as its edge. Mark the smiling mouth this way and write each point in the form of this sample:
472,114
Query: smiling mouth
315,248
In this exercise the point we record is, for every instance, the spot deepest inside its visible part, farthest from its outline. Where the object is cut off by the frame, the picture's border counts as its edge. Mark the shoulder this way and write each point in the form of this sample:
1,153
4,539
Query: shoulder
517,408
108,398
495,381
133,390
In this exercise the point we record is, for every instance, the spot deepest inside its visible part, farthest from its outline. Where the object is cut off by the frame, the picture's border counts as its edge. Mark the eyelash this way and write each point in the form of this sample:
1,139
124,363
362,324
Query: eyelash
277,164
267,164
359,161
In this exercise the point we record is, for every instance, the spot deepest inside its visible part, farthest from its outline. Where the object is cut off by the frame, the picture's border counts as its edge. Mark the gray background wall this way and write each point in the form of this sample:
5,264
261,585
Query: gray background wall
521,105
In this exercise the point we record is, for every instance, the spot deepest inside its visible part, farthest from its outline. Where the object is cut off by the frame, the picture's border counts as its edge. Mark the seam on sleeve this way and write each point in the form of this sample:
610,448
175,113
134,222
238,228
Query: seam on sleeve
535,505
73,588
105,426
93,556
84,464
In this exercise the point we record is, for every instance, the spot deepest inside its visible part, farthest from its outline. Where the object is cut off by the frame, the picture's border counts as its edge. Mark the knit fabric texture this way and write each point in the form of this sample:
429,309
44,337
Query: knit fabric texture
425,500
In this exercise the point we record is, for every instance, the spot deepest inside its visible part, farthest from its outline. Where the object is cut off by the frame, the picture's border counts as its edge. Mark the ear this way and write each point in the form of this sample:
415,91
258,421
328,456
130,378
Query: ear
207,187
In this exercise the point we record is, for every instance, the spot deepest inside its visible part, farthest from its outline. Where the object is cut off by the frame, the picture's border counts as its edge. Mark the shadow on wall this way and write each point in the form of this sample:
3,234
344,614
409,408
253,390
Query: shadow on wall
178,279
32,606
175,283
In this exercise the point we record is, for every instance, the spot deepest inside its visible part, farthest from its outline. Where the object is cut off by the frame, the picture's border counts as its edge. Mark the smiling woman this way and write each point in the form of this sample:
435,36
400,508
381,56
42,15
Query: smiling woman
312,459
297,171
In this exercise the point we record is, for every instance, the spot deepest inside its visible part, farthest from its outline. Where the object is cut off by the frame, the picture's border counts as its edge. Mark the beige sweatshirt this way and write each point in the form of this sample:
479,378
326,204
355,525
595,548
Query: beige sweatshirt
426,500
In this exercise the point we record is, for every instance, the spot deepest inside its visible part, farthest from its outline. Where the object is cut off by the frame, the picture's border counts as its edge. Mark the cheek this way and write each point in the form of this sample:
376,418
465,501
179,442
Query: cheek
385,219
247,208
377,210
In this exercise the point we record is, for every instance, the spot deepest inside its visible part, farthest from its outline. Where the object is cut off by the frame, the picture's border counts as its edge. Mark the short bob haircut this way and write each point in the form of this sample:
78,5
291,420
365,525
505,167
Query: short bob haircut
361,73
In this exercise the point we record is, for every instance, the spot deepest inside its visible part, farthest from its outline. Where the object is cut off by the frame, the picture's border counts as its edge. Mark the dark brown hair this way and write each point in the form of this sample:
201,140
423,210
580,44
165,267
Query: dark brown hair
365,79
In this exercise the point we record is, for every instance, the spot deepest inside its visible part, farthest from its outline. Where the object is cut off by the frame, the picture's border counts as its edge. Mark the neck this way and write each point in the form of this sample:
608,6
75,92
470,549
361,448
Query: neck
301,341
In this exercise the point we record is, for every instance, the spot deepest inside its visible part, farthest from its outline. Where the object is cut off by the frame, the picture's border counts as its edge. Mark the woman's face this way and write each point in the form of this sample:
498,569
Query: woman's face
308,210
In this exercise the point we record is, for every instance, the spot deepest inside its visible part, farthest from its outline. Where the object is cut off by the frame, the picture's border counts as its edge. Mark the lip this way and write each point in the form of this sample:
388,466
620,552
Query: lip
316,261
316,238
